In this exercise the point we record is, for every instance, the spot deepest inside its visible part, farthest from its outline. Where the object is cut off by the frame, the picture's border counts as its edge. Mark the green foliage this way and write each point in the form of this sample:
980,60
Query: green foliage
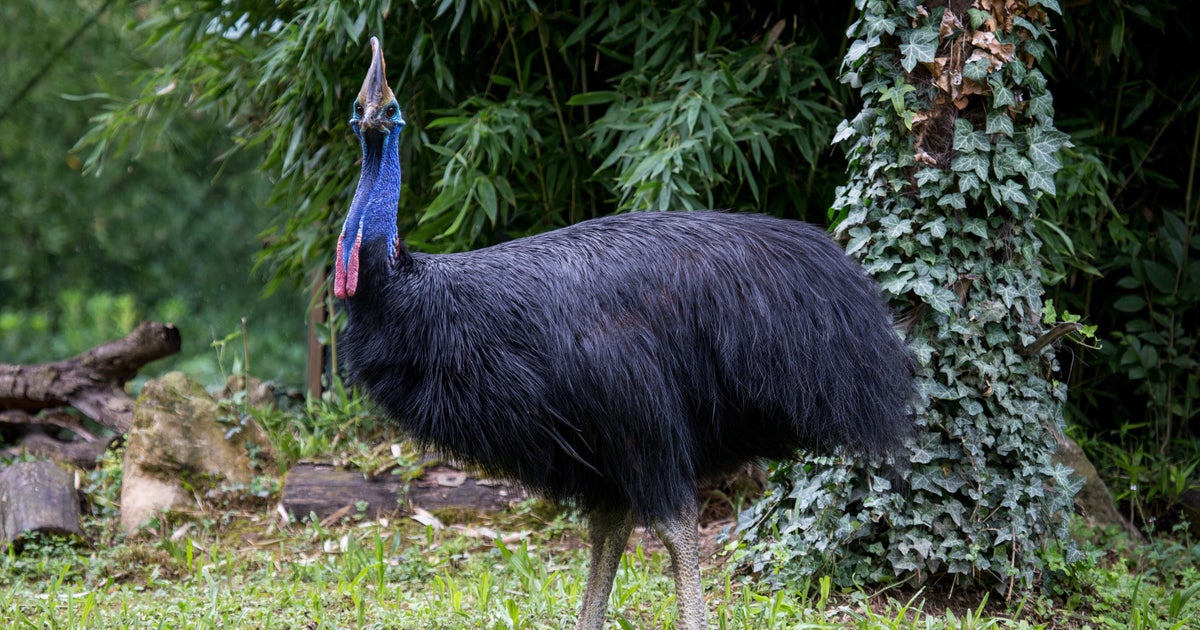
691,139
340,426
1157,349
1141,479
159,233
521,117
83,321
941,207
1121,236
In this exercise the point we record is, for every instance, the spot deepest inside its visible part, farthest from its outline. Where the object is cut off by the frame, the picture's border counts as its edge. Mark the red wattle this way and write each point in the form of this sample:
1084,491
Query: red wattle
352,269
345,276
339,271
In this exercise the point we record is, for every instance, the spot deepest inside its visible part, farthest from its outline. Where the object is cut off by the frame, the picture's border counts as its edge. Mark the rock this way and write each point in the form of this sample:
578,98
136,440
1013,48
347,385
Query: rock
177,449
259,394
1093,502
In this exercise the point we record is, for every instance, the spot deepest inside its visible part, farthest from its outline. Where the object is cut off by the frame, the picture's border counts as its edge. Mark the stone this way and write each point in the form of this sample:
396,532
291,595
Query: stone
177,449
259,394
1093,502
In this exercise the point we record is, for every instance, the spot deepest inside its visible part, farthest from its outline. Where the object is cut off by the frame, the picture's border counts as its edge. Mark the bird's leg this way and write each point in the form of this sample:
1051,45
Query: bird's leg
679,534
608,530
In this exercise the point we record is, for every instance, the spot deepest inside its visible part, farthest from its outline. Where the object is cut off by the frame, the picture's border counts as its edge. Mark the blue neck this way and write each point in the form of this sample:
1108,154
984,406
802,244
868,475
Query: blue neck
373,210
370,231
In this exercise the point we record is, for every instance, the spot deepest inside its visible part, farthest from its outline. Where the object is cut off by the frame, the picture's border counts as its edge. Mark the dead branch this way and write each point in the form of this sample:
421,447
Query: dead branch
92,382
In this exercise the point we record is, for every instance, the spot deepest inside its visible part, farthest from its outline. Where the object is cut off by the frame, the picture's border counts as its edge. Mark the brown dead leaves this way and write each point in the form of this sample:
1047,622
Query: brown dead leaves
971,47
963,46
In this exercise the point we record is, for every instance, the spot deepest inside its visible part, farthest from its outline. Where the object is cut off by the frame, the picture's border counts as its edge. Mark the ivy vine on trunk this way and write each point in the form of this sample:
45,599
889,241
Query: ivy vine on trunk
952,150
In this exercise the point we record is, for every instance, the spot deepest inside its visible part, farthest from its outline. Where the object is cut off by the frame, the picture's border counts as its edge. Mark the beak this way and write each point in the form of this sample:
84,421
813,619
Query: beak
375,94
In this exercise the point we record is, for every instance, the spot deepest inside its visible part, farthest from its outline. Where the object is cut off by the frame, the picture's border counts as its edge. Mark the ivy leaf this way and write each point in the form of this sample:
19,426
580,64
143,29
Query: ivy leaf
968,182
1044,143
1009,163
878,24
859,237
954,200
999,122
975,226
976,70
845,130
1008,293
895,227
1010,194
1041,107
927,175
917,45
1001,96
978,17
894,283
943,300
1035,30
1041,178
966,138
858,48
971,162
936,228
923,286
1052,5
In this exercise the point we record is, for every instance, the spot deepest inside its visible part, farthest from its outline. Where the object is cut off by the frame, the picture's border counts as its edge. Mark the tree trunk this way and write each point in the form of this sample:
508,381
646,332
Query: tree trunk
37,497
949,156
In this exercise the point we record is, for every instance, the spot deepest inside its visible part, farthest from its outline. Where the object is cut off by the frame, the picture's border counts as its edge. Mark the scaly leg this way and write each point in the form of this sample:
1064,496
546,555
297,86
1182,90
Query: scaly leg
609,531
679,534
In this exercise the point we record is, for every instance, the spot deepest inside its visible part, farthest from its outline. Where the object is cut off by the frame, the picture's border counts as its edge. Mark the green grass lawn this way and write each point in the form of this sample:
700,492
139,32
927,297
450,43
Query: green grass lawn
246,570
234,563
393,575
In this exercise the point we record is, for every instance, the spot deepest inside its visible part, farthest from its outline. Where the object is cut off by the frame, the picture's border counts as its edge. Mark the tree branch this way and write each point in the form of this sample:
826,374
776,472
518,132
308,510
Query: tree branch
92,382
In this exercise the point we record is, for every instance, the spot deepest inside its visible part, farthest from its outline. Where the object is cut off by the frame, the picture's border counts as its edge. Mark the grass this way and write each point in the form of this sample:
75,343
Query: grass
393,575
235,564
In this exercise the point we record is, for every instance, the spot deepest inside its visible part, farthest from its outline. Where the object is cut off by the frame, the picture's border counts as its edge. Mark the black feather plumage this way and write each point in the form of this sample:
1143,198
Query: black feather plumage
620,361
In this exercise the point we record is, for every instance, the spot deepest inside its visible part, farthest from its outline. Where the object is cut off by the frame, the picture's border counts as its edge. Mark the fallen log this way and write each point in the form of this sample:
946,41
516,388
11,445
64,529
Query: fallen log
29,435
37,497
92,382
328,491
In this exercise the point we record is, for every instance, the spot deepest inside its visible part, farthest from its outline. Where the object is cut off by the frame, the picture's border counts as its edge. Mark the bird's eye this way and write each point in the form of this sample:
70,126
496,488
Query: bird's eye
358,108
391,110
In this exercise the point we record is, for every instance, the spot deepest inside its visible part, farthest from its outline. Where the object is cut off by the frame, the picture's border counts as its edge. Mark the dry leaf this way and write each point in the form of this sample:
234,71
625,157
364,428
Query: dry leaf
487,533
425,518
337,516
993,63
987,41
950,23
180,532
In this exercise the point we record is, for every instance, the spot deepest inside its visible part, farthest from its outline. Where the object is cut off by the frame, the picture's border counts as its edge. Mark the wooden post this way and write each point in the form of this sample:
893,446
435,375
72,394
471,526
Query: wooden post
316,351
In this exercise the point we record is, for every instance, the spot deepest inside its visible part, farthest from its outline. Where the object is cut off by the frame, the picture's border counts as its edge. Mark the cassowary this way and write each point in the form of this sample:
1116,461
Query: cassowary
618,362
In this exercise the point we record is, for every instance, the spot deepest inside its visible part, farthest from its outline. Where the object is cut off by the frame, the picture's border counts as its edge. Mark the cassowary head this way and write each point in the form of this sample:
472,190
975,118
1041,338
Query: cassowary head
377,122
376,107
